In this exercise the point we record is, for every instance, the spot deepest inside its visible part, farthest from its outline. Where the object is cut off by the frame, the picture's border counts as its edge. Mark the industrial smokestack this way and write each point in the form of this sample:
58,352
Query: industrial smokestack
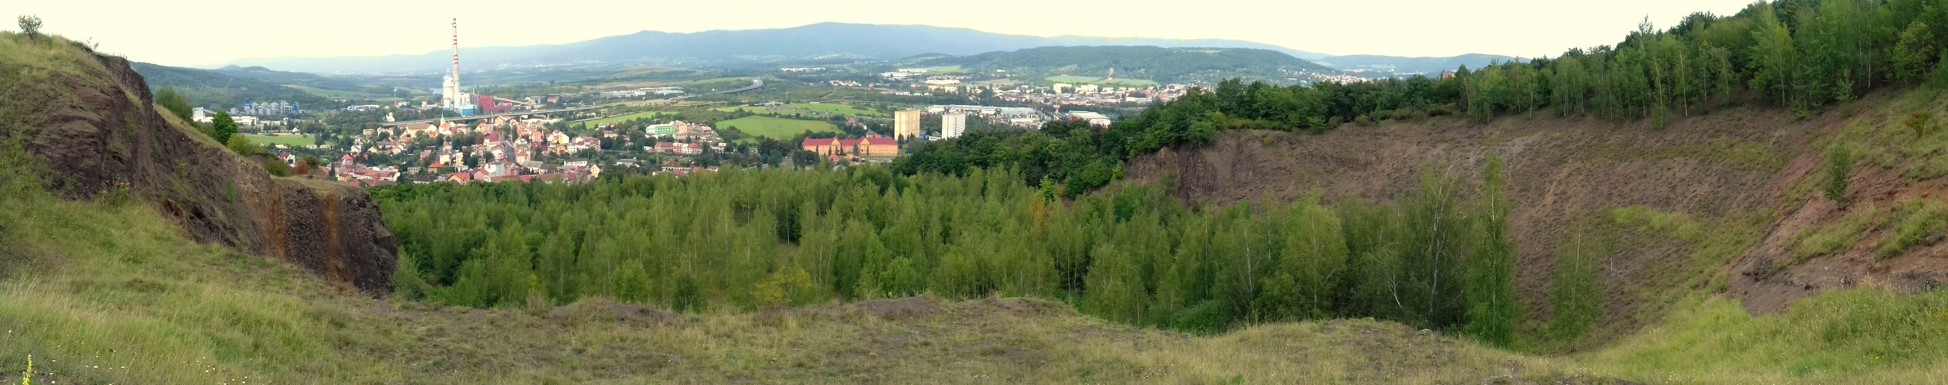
456,50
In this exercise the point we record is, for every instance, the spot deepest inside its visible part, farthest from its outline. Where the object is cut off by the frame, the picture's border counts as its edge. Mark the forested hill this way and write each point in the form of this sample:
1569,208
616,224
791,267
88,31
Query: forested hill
219,89
1165,65
1795,56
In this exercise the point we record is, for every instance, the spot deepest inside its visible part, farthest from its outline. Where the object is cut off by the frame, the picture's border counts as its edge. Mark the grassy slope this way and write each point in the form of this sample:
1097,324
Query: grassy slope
625,118
776,128
102,292
287,140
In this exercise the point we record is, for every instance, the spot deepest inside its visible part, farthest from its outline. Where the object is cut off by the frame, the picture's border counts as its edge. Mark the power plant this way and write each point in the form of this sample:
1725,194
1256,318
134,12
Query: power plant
451,97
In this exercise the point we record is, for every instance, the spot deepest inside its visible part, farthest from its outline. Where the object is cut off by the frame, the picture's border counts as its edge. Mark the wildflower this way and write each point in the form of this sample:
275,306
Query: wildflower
28,377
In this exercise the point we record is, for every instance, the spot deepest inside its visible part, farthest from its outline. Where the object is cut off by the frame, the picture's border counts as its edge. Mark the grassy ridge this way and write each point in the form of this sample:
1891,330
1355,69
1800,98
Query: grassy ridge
112,293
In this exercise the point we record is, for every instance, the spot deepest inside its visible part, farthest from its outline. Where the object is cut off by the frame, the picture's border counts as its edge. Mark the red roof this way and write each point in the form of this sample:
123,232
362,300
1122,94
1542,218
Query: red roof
849,143
881,141
819,142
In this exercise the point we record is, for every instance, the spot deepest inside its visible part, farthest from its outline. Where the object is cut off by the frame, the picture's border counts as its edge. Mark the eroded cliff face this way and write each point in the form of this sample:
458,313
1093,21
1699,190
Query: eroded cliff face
95,128
1708,203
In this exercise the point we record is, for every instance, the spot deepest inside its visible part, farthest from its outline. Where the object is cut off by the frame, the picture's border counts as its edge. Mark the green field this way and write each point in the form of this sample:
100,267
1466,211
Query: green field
834,108
341,94
625,118
287,140
776,128
807,109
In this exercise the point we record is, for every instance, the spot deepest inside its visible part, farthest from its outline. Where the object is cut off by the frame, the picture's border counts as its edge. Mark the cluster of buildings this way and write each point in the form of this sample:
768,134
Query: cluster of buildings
277,108
507,149
641,93
1022,117
349,171
877,148
1063,94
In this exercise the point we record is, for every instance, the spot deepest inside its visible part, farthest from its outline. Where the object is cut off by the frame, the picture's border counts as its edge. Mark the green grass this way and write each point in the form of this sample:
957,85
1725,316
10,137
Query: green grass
1859,336
1916,223
833,109
776,128
808,109
287,140
341,94
113,293
1703,246
1905,135
625,118
1820,241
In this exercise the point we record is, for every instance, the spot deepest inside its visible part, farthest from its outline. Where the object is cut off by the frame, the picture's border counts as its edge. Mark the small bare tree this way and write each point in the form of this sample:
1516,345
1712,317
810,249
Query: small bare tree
30,25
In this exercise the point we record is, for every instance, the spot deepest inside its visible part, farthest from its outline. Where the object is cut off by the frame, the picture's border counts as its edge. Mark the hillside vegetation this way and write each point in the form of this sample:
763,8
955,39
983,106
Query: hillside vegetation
108,291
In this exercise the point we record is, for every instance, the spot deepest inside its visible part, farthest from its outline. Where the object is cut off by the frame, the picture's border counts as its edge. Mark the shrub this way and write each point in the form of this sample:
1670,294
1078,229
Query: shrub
175,103
241,145
1839,163
1919,123
277,167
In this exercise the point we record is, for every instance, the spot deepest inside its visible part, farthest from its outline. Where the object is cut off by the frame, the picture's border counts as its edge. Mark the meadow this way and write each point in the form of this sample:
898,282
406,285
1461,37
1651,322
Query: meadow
776,128
287,140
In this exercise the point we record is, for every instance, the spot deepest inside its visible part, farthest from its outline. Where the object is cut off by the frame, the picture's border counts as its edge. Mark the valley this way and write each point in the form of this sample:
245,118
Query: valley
1751,197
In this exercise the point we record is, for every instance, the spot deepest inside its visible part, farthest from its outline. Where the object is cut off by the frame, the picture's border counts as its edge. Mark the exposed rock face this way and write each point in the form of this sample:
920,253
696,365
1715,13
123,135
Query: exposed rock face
100,132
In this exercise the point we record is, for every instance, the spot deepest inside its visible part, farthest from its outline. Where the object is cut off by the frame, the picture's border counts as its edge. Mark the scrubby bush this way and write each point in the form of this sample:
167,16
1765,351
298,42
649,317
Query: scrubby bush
1839,163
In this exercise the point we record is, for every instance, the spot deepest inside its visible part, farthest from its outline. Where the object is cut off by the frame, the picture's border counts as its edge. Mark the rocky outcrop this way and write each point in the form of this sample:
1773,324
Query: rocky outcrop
93,124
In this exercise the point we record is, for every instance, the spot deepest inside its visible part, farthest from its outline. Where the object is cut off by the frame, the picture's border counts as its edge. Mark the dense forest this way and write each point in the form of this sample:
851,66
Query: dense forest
756,239
1799,55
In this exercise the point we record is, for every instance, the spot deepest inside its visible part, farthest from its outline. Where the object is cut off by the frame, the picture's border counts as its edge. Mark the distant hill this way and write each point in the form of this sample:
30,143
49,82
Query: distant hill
885,42
219,89
232,86
1412,65
1164,65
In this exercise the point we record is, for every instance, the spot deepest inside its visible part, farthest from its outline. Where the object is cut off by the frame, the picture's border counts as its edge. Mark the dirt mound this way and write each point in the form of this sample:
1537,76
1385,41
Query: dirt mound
606,310
909,308
1694,197
92,122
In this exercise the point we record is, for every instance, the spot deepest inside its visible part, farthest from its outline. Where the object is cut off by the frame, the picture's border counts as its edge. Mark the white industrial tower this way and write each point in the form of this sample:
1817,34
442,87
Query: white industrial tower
450,95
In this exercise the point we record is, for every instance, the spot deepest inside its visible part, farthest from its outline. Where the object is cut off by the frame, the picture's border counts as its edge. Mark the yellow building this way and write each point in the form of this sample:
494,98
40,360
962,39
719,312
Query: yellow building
906,124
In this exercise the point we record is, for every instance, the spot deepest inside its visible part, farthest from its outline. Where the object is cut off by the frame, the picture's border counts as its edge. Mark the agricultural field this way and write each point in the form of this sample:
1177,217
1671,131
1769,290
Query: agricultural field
287,140
776,128
809,109
625,118
343,94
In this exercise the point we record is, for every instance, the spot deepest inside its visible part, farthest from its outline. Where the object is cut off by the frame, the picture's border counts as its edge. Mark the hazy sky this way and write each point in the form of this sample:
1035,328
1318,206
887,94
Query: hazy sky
216,32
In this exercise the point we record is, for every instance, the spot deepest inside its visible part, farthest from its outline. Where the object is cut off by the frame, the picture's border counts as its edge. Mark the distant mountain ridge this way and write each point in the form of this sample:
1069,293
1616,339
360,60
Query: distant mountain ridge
1160,64
862,40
